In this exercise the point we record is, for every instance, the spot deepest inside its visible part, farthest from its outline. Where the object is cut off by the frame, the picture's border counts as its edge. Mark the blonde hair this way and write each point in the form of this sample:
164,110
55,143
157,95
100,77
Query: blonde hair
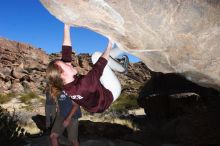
54,79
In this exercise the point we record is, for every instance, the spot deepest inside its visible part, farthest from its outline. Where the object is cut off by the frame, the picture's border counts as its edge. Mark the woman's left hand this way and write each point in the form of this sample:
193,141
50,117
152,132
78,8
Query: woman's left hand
66,122
110,43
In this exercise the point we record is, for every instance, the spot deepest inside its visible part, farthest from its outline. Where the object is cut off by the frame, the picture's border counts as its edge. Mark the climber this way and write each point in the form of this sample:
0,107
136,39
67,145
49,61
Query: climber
94,91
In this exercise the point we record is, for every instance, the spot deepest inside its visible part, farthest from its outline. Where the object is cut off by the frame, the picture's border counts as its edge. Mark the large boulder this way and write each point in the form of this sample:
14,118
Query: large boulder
168,36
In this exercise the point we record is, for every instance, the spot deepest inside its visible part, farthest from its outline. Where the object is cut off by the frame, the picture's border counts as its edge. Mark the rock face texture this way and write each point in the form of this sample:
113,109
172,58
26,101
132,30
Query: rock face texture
22,67
180,36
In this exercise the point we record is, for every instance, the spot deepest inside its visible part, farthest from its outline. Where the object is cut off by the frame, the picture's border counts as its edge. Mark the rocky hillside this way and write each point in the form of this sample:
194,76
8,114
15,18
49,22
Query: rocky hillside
23,68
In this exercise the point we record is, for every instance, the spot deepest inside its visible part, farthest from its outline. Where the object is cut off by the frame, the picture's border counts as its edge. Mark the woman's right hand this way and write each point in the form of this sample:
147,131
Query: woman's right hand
106,52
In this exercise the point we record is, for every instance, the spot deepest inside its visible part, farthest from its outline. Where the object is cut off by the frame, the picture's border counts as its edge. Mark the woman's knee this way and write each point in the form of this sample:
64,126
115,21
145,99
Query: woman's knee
95,57
53,136
75,143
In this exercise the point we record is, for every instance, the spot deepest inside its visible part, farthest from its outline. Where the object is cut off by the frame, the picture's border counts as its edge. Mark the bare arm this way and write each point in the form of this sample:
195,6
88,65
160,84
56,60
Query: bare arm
70,115
67,46
106,53
66,35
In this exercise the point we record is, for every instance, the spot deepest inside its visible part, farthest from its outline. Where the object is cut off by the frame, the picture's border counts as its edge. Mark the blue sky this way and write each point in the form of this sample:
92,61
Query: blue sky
29,22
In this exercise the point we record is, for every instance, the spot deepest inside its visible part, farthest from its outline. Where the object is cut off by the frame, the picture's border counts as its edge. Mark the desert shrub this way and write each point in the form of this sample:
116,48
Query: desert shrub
43,100
6,97
124,103
26,97
28,107
10,133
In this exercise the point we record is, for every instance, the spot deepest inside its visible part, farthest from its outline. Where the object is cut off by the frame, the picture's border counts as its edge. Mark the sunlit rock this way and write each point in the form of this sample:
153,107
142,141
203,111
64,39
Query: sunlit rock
180,36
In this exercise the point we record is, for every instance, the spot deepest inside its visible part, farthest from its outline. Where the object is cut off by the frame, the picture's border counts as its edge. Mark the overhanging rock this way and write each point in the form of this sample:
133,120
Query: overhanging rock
180,36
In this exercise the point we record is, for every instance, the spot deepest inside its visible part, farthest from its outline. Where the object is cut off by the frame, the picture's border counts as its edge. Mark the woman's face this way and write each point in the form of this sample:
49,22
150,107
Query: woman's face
68,71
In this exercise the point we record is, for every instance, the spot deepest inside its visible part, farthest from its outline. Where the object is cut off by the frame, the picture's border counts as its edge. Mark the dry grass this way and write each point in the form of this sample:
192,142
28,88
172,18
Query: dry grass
6,97
27,97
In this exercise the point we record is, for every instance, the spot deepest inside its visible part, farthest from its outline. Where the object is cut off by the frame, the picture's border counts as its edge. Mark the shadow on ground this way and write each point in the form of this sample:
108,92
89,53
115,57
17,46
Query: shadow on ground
178,111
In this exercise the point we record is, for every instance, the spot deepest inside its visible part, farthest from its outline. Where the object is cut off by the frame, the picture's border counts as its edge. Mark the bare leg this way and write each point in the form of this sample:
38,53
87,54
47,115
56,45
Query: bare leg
76,143
53,138
108,75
